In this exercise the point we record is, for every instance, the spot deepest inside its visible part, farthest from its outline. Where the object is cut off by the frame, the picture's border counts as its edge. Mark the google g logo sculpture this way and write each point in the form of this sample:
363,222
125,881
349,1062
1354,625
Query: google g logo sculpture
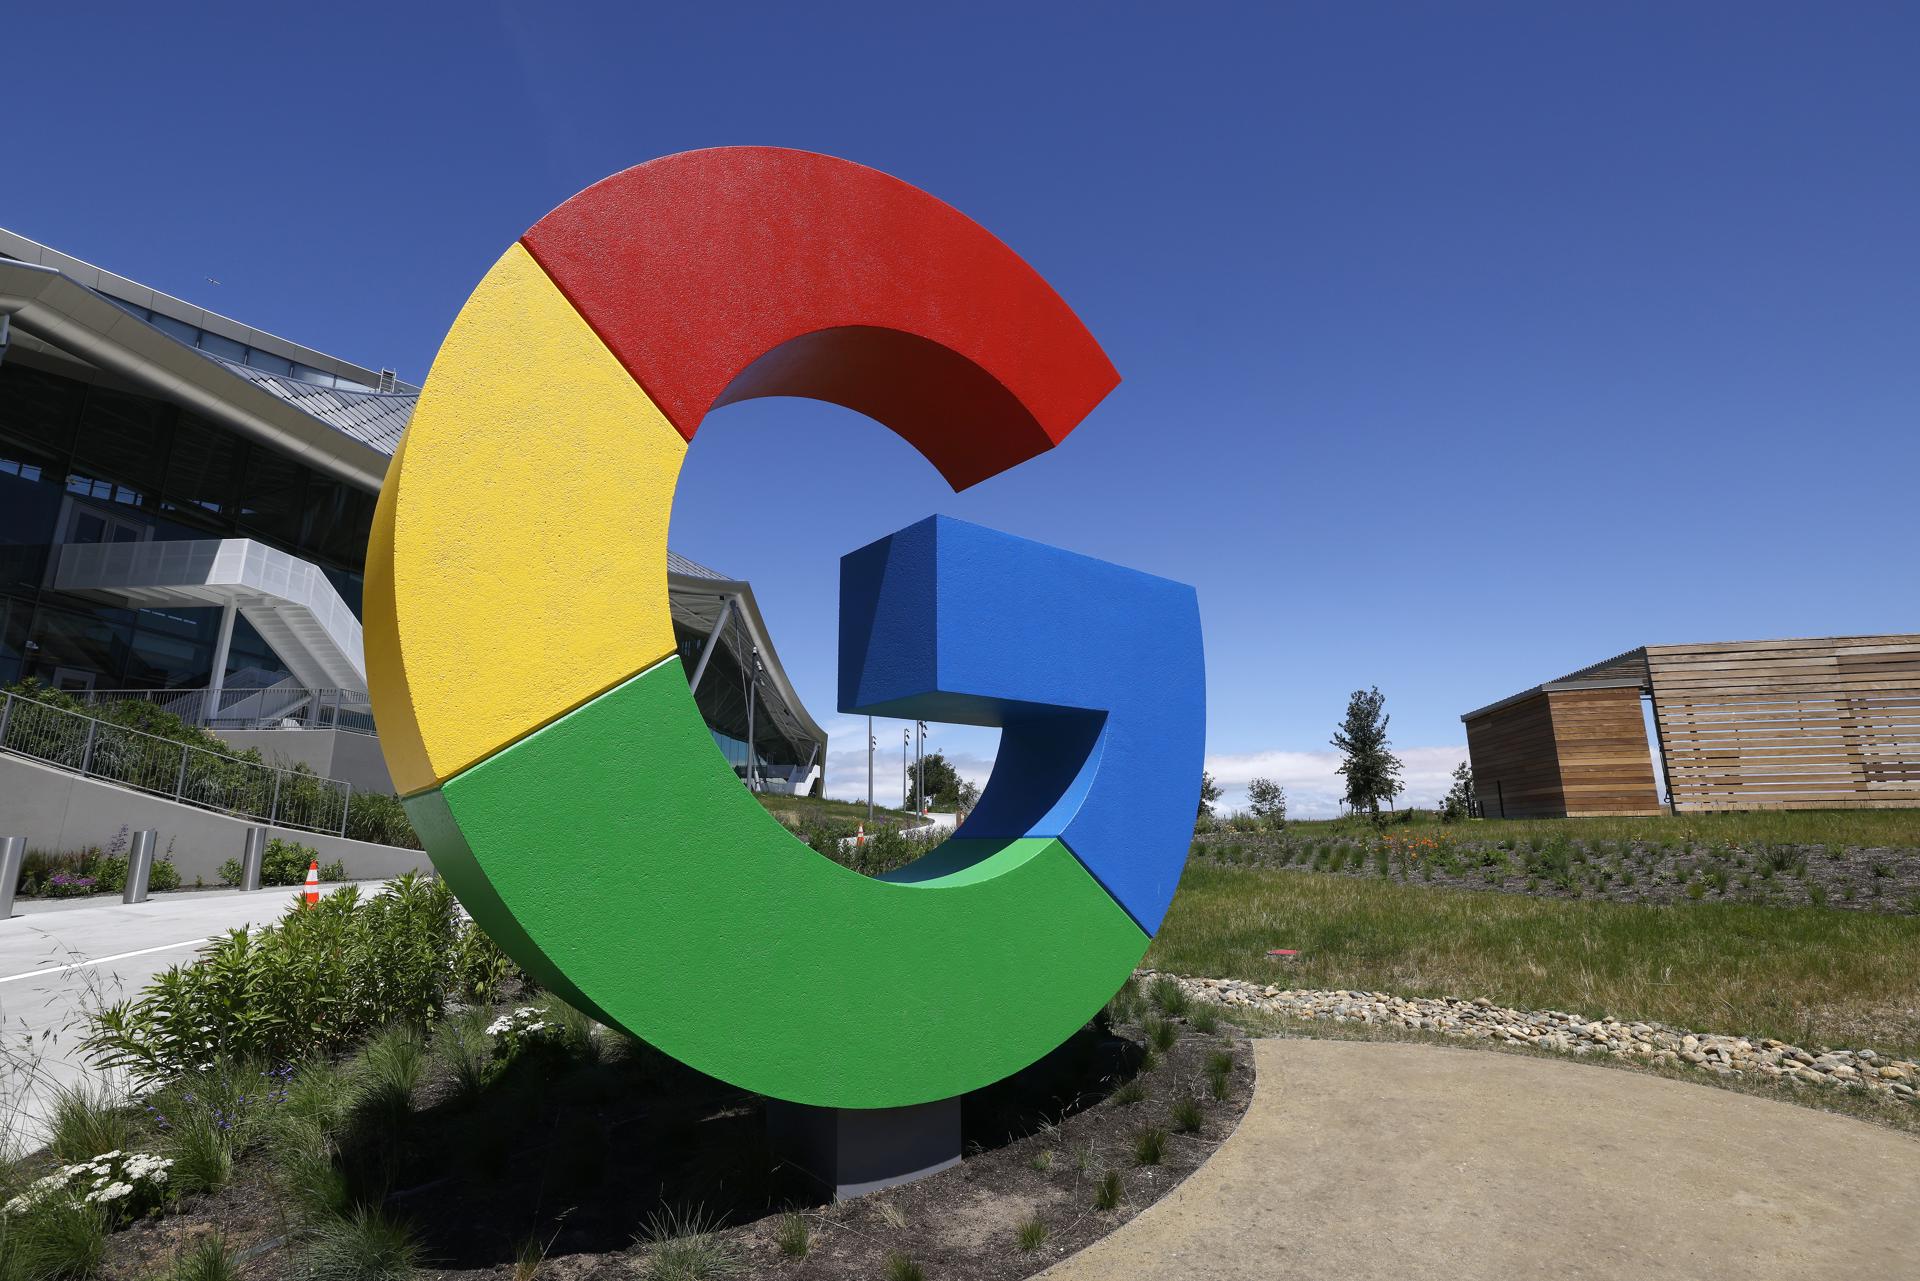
537,720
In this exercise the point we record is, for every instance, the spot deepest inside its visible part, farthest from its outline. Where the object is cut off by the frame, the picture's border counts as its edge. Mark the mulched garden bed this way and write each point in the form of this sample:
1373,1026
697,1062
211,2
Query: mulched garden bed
587,1156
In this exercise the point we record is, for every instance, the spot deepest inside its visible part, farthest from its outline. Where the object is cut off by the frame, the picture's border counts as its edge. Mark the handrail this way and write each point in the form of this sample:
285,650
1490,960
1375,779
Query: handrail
96,748
269,707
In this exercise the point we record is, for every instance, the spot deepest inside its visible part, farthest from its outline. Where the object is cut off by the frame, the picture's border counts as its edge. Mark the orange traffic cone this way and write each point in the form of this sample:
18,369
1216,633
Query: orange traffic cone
860,838
313,882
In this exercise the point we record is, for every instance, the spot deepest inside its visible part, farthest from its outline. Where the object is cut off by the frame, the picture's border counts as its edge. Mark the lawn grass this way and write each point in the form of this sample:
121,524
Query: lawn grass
1811,976
796,811
1894,828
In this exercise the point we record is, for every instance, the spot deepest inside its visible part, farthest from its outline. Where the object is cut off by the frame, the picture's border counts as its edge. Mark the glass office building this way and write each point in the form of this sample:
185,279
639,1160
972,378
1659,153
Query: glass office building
185,503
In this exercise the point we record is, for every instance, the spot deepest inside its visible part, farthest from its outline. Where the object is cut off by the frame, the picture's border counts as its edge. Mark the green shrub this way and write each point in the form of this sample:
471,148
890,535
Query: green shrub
61,1237
206,1260
366,1245
78,873
377,817
112,874
309,1180
1108,1191
200,1145
317,1095
1149,1145
1204,1018
1161,1033
792,1237
580,1037
1188,1115
86,1122
685,1245
316,983
1168,996
239,1099
464,1053
1130,1092
901,1267
1219,1082
481,971
284,863
385,1075
1031,1234
1124,1007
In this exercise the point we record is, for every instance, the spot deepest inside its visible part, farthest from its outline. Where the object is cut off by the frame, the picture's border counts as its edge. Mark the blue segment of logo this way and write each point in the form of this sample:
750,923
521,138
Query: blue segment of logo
1094,673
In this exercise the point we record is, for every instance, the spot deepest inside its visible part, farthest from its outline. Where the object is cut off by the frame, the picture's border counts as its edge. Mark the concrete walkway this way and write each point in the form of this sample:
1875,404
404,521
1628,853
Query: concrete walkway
1366,1160
60,957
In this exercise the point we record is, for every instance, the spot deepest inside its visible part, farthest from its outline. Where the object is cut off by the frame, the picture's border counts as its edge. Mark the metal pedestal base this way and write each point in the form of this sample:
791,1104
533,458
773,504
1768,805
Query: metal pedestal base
853,1151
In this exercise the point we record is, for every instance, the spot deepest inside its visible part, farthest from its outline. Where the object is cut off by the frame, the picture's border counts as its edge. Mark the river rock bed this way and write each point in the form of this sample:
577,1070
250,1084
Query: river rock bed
1480,1019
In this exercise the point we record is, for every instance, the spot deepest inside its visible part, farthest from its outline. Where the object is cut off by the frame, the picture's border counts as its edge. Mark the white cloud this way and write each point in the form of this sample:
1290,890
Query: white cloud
1314,786
968,748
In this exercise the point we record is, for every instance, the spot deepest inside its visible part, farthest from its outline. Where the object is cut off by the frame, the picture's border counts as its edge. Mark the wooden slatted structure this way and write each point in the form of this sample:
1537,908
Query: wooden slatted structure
1564,752
1826,723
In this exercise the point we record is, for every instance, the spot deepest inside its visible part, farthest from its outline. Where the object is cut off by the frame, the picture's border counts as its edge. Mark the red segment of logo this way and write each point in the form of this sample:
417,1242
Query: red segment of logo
727,274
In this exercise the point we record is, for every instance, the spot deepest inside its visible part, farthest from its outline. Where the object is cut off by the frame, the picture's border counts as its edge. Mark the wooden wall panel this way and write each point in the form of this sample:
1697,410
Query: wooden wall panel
1516,770
1795,724
1606,768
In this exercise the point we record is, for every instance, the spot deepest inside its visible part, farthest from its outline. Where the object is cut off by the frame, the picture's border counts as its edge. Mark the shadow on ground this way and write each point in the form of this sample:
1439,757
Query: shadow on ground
585,1157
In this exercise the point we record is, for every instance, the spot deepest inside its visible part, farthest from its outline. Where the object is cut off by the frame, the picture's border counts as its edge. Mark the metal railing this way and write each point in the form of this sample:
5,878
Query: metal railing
211,780
274,707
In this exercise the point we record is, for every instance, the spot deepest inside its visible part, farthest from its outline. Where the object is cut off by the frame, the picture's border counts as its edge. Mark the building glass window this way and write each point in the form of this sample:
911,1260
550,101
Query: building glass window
93,642
272,496
202,474
37,415
335,519
120,452
14,617
268,362
188,334
172,649
224,347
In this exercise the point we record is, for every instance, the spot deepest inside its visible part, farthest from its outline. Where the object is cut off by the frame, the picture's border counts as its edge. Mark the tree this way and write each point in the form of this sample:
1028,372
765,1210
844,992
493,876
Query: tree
1268,801
1461,801
946,791
1209,793
1372,772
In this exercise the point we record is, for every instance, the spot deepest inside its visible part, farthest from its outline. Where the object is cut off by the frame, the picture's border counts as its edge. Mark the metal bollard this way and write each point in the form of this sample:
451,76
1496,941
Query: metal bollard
253,858
13,849
139,866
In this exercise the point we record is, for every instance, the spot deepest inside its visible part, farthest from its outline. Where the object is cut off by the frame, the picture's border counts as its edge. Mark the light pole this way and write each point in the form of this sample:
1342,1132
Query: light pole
920,768
906,771
870,771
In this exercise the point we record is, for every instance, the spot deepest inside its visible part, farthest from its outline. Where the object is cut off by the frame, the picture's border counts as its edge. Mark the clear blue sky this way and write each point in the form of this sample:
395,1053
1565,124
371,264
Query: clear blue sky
1463,345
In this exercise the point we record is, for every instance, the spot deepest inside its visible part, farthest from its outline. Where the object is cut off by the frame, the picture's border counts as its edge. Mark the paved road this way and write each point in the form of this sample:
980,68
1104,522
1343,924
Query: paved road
1366,1160
58,957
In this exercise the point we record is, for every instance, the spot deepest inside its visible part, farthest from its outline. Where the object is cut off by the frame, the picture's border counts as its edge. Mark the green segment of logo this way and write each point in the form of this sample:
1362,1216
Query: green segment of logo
652,890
